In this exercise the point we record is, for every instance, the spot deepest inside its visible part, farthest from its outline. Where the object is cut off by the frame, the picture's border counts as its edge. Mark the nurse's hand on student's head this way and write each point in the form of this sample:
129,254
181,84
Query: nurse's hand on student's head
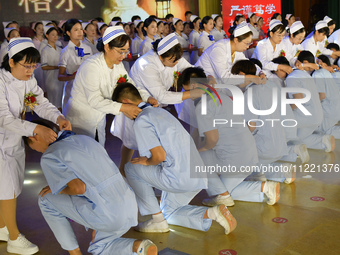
263,76
211,80
129,110
153,102
45,133
45,191
140,161
64,123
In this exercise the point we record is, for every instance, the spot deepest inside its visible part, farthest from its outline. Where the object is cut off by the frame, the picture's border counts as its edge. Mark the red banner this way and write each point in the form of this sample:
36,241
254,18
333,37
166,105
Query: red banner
263,8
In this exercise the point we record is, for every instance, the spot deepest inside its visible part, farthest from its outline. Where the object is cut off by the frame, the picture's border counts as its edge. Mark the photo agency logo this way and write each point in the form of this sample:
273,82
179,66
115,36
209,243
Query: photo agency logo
240,101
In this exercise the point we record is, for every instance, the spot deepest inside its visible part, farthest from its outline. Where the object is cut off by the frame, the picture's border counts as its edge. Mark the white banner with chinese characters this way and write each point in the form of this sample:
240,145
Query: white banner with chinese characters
263,8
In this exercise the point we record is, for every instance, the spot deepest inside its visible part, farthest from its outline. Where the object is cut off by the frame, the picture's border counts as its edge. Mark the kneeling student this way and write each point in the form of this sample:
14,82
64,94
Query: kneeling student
167,162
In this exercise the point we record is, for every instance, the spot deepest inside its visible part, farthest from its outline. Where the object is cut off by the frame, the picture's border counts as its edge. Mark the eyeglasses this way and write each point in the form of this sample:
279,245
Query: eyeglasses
123,53
248,44
29,67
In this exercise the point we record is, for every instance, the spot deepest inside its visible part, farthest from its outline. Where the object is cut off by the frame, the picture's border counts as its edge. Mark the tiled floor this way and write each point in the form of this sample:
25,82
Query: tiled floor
313,227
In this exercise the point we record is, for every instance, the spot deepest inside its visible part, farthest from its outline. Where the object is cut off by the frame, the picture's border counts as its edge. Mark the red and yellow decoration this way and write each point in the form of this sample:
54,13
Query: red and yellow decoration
30,102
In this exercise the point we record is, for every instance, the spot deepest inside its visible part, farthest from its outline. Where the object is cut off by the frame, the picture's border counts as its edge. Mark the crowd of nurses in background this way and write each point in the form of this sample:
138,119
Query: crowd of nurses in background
83,62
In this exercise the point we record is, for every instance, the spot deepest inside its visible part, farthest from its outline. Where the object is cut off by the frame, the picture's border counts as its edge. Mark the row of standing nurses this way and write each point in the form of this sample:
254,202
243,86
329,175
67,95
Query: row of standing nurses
72,56
94,84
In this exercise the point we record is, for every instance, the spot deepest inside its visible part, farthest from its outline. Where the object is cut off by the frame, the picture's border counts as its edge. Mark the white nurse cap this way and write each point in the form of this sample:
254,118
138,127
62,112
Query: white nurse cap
137,21
288,16
327,19
193,17
239,14
297,25
16,45
8,30
45,22
214,16
6,23
258,18
273,23
250,14
321,24
174,20
84,25
167,43
113,23
46,28
61,23
112,33
100,24
241,29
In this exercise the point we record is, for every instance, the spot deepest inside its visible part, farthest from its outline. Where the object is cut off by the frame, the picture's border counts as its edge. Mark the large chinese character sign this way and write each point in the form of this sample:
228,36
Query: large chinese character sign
263,8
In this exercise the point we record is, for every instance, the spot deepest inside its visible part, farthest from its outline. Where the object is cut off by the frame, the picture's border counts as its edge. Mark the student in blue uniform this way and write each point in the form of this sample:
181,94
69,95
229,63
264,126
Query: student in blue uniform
308,124
228,145
167,161
330,95
270,138
100,200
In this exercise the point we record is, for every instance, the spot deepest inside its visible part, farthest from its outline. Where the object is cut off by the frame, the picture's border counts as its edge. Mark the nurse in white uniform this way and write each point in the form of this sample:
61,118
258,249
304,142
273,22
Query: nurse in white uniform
218,59
154,72
16,85
272,47
49,63
315,43
193,38
9,34
160,29
149,30
218,32
256,34
94,84
90,36
182,38
72,56
292,42
137,41
206,38
8,24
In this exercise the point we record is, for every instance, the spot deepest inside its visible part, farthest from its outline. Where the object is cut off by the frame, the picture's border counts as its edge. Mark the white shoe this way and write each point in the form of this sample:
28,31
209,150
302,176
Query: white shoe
4,234
302,152
272,191
224,218
329,142
21,246
219,200
146,247
150,226
290,176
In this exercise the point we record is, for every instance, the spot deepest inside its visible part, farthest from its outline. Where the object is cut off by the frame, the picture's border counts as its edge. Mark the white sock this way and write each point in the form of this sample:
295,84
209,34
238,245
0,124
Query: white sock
158,217
211,214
